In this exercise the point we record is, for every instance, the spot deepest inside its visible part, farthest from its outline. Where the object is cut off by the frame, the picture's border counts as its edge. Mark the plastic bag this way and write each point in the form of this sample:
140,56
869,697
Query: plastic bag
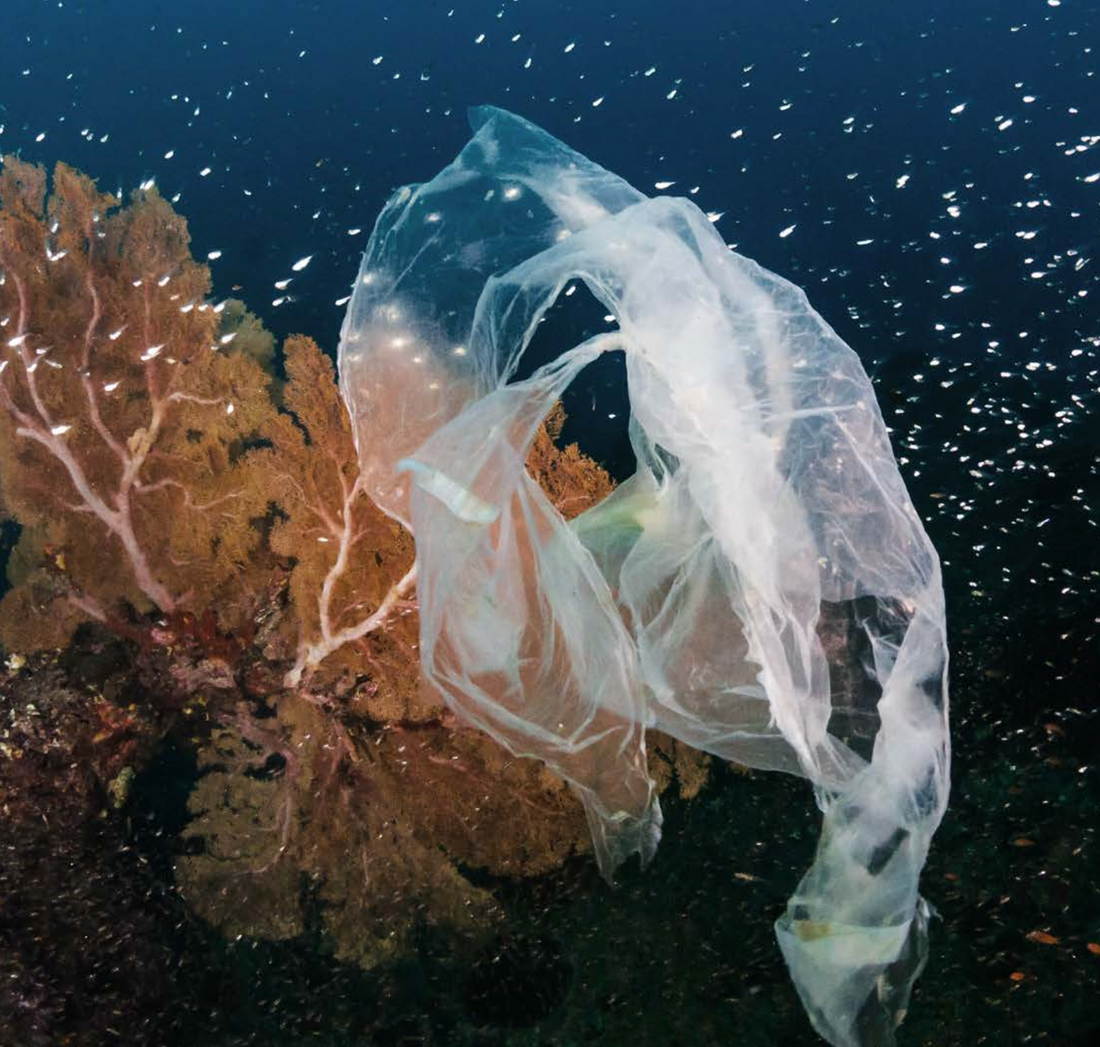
761,588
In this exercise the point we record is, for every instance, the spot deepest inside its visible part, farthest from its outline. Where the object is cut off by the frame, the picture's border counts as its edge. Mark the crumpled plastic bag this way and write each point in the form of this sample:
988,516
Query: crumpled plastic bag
761,588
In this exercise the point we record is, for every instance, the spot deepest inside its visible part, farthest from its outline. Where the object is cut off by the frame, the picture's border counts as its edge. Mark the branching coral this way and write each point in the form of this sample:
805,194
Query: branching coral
125,421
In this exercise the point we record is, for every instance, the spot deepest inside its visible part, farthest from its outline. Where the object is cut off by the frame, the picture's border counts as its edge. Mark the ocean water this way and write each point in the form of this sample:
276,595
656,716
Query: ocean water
929,173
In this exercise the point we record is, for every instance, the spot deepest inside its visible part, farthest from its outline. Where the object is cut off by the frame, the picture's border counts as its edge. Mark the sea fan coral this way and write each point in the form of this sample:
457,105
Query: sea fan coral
125,419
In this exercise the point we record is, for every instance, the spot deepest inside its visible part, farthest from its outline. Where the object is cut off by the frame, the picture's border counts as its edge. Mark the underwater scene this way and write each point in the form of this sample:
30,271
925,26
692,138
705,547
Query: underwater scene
536,524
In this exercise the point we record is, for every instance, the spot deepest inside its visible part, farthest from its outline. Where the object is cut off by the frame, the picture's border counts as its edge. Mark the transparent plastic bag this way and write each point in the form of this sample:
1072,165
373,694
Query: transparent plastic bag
761,588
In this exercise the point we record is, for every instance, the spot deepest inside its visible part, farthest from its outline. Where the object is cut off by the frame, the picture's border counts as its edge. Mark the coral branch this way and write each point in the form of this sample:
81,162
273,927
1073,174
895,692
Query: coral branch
311,654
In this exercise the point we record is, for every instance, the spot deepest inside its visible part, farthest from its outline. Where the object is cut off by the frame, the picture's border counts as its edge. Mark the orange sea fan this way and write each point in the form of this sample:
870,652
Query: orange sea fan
124,421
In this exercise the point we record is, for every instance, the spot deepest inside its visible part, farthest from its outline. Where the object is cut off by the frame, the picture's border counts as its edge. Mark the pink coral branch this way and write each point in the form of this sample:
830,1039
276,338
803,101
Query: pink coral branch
85,376
44,431
188,398
340,565
157,485
311,654
317,508
90,606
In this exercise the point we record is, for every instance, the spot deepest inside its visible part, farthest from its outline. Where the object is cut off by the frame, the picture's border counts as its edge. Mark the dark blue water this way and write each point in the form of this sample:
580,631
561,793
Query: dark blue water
925,170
